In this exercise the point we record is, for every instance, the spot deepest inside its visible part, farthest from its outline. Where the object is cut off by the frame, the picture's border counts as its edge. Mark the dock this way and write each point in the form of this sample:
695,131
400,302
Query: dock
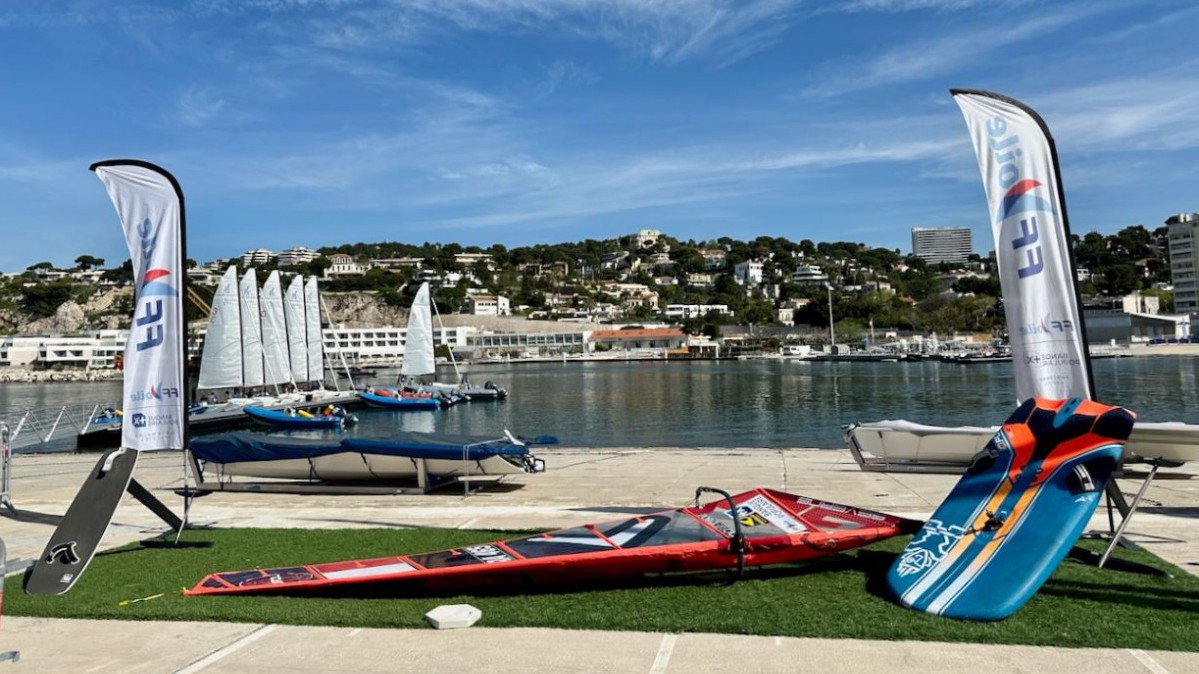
221,417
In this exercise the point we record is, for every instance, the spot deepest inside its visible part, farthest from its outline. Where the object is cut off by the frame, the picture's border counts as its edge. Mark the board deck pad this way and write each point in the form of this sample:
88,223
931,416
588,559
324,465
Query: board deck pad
74,542
1016,512
778,528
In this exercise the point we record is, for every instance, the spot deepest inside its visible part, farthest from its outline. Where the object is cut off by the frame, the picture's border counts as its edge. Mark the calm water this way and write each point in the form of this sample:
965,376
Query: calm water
729,404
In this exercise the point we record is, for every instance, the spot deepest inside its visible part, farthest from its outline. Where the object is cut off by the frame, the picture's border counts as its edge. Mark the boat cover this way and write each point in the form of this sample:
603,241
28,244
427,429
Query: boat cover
244,446
777,528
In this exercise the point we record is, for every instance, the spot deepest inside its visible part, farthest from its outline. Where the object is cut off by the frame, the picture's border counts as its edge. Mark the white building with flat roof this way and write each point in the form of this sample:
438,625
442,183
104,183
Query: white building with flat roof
97,350
296,256
1183,231
488,305
748,273
935,245
257,256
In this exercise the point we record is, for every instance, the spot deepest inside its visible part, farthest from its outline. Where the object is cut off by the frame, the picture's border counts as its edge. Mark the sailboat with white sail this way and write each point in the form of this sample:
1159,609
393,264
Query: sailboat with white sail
419,358
420,362
257,343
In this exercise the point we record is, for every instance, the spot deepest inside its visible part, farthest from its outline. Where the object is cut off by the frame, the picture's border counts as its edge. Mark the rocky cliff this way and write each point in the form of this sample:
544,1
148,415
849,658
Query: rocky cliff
111,308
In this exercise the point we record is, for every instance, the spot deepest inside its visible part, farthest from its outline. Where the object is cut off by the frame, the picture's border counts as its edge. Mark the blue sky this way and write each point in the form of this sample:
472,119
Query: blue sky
540,121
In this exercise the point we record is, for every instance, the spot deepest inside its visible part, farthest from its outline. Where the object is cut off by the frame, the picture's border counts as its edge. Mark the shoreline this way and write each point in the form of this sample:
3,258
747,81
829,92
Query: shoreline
20,375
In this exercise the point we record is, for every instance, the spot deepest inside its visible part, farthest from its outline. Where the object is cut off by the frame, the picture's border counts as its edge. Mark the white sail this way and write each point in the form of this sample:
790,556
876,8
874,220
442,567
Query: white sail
312,330
274,332
220,364
297,341
149,204
418,344
251,331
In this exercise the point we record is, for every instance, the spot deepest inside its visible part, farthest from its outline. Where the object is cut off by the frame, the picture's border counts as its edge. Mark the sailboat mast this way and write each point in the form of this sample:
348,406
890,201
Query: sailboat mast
441,325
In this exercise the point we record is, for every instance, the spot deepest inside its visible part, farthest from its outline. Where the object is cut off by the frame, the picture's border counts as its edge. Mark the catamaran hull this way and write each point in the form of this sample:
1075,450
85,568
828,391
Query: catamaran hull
403,456
357,467
887,445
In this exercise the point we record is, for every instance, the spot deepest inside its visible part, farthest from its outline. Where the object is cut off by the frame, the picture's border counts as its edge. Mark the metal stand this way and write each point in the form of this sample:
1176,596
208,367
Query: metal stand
1128,510
6,471
143,496
13,656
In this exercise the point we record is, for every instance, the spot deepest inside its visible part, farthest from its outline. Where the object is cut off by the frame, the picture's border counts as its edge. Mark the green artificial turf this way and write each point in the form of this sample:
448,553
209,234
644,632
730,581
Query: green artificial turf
841,596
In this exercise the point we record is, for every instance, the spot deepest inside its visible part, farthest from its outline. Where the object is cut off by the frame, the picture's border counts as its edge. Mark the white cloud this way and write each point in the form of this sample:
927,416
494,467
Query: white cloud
927,59
196,107
715,31
912,5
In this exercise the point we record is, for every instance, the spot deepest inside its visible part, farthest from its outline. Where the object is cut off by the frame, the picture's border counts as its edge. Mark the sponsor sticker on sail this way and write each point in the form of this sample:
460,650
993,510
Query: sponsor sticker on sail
1018,163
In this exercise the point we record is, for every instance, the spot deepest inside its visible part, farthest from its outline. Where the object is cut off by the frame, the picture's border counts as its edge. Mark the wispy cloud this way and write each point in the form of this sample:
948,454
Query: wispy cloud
196,107
720,32
937,57
1143,113
563,73
894,6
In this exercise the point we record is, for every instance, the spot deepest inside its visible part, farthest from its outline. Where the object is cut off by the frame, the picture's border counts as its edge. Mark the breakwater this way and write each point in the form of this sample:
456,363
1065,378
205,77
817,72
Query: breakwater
17,375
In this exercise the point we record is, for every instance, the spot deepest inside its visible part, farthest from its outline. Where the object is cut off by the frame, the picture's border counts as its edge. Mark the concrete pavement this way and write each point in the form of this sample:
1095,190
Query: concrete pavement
580,486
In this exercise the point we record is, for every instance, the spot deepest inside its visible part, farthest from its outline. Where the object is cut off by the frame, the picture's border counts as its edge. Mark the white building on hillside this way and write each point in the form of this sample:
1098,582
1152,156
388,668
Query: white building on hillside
344,265
97,350
646,238
935,245
749,272
488,305
257,256
296,256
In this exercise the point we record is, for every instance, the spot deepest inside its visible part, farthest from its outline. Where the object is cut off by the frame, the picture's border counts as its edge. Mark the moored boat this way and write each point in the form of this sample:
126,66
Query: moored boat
335,418
391,400
400,456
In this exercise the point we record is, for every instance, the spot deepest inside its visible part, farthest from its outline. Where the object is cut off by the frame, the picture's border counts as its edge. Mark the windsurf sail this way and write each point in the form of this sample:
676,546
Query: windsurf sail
312,331
297,340
149,203
776,528
1018,161
251,331
418,340
221,361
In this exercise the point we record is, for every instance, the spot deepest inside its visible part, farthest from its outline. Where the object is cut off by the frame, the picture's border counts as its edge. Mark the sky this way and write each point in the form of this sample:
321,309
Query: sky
320,122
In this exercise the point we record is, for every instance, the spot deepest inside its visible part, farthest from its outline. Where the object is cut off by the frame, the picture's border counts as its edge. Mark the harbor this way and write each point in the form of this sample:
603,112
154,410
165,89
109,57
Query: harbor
730,404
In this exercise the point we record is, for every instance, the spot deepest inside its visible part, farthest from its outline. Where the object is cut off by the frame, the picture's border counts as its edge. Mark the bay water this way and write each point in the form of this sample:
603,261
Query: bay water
757,403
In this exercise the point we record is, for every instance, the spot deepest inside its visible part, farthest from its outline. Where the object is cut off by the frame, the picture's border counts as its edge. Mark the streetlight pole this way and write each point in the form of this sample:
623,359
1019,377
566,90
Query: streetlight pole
832,335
